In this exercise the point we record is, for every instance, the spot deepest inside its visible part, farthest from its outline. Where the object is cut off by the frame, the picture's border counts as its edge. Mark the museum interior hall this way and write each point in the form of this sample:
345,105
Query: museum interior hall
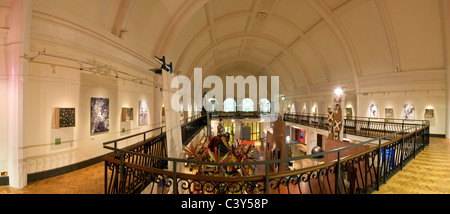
224,97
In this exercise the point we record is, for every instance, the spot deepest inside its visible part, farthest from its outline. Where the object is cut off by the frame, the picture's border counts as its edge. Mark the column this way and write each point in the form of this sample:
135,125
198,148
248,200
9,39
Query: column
17,69
446,14
157,103
173,125
311,141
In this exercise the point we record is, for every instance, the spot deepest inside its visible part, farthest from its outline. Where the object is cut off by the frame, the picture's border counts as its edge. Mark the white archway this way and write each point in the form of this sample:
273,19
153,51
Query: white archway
229,105
264,105
212,105
247,105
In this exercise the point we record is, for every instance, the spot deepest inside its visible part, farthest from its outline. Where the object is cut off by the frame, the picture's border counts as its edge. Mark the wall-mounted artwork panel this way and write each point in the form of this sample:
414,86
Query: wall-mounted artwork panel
348,112
408,111
99,115
389,112
143,112
373,110
64,117
127,114
429,113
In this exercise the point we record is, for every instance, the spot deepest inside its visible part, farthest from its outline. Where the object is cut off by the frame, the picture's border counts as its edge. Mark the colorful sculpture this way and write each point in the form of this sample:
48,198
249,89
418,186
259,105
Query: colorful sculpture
220,150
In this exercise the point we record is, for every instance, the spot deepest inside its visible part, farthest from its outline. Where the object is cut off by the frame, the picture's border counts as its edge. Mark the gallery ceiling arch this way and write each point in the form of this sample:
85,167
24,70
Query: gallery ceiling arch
309,43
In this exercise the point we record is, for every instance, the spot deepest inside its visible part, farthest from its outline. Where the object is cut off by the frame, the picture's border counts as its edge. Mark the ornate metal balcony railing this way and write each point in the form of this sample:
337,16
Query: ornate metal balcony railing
131,170
243,115
360,126
154,146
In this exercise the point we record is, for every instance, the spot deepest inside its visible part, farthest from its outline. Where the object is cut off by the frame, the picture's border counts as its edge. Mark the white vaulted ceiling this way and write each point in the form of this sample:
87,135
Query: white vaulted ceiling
310,44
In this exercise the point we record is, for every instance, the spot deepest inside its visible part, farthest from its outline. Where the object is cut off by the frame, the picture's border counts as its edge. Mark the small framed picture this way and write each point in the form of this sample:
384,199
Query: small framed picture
65,117
389,112
348,112
429,113
127,114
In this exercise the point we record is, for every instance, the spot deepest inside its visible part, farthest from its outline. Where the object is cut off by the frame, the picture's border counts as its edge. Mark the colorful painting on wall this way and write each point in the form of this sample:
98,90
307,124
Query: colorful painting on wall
348,112
65,117
429,113
127,114
389,112
143,112
99,115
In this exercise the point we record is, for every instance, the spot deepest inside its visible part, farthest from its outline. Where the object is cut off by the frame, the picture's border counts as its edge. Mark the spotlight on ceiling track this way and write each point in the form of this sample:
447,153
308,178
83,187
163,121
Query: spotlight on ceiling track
338,91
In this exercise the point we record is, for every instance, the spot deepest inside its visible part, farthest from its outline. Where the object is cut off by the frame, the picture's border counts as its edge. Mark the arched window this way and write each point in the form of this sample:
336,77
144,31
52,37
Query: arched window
264,105
212,105
229,105
247,105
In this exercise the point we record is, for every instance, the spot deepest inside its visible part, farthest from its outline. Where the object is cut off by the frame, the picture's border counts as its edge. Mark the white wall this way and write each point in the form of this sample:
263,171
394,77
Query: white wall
49,88
54,82
434,100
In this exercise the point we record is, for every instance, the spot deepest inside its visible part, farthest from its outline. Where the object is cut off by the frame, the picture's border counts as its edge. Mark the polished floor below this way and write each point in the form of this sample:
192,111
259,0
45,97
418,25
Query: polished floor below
428,173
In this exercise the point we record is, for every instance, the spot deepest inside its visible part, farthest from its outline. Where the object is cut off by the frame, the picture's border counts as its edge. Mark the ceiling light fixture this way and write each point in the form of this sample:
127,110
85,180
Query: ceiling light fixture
338,91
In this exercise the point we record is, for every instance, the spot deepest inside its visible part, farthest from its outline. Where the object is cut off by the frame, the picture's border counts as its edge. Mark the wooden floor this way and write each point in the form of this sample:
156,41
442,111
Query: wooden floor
89,180
429,173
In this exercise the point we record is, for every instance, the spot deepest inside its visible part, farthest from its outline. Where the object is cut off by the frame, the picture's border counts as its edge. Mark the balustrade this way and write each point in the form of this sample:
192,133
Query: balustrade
133,169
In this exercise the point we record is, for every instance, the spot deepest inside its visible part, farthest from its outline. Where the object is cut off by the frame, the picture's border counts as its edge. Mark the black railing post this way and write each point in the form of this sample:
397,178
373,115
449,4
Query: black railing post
338,174
366,171
415,139
267,178
122,175
402,150
174,178
106,177
379,165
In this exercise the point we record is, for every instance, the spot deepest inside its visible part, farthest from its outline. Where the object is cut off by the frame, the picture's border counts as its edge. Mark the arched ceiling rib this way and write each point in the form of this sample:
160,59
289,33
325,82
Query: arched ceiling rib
281,73
266,38
269,68
309,43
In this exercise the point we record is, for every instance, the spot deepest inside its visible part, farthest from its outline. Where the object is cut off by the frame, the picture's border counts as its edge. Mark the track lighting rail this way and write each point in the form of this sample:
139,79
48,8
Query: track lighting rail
84,62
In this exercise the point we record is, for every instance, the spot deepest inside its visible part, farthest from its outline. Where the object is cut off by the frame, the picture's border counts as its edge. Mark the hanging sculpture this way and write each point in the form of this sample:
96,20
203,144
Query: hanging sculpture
335,120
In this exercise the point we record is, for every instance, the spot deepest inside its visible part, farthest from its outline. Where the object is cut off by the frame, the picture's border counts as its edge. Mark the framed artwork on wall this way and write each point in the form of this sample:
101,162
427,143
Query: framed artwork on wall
348,112
389,112
127,114
373,110
64,117
429,113
99,115
143,112
408,111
